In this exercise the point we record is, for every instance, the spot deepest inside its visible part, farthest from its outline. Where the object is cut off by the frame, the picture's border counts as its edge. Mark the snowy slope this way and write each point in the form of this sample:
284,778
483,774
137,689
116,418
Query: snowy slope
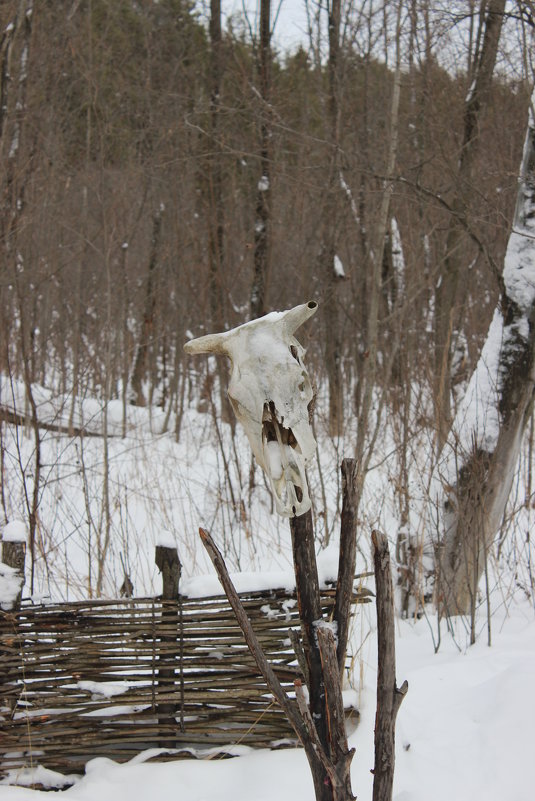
465,729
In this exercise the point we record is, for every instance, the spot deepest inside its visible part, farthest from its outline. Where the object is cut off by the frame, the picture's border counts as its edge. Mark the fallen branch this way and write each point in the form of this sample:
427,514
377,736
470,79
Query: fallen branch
19,419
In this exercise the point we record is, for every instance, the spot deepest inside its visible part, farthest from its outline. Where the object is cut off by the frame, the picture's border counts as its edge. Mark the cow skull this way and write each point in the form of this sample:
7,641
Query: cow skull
270,393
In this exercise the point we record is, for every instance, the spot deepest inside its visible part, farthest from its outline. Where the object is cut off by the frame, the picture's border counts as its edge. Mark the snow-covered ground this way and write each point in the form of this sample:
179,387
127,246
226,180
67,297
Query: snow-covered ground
465,730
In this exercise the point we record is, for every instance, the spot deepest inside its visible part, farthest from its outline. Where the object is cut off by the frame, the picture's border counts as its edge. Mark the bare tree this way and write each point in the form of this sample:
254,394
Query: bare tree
216,219
376,253
17,175
333,345
263,193
455,262
141,361
475,471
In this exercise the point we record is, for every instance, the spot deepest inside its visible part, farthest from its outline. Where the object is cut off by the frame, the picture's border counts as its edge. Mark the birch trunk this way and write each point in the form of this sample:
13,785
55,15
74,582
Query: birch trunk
476,467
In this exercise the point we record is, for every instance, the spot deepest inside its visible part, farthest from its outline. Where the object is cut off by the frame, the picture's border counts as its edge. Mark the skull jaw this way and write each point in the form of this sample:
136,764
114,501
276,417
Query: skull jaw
284,464
287,491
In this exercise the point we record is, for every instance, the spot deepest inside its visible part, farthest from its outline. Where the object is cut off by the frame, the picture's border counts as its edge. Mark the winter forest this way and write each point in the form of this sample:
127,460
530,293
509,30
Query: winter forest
168,170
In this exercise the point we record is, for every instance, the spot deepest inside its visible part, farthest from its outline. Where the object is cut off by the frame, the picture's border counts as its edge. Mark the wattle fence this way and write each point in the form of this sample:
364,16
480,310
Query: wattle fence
114,678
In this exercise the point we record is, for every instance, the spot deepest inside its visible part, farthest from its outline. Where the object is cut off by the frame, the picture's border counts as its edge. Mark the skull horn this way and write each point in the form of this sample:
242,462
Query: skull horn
211,343
295,317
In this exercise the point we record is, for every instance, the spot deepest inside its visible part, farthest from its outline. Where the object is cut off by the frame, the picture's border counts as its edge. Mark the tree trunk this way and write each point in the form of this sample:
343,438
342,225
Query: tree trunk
168,563
140,363
216,224
16,177
333,344
263,193
476,468
375,262
446,315
216,217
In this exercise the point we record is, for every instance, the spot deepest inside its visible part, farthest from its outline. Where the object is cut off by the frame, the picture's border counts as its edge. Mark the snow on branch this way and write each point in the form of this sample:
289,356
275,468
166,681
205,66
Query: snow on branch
349,195
519,269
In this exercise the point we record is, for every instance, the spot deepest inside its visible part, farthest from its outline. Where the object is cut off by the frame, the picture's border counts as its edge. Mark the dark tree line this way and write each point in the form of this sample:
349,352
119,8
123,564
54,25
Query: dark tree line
135,116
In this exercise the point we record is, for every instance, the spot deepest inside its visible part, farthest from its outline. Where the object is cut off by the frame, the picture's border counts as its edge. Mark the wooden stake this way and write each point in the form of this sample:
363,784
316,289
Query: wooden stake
14,555
250,637
347,557
308,599
168,562
389,696
341,755
331,779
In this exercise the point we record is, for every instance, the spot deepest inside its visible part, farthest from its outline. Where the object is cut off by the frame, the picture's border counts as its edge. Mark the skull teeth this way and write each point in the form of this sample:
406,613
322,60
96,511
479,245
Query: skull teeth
284,464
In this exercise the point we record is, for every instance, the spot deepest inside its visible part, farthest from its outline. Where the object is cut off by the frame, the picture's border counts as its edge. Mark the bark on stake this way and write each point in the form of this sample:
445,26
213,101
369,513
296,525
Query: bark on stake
347,557
389,696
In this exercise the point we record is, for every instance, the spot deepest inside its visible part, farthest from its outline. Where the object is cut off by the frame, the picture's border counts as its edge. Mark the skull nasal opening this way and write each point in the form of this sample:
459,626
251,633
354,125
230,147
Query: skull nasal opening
273,429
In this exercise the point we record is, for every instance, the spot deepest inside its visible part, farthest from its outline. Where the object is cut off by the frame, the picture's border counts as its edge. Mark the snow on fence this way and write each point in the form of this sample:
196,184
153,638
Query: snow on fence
113,678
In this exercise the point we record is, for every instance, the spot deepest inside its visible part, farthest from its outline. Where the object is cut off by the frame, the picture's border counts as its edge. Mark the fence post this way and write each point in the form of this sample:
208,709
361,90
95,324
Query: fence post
169,565
14,554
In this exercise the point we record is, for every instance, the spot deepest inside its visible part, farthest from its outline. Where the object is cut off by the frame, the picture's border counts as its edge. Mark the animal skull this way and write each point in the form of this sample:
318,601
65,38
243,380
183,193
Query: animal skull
270,392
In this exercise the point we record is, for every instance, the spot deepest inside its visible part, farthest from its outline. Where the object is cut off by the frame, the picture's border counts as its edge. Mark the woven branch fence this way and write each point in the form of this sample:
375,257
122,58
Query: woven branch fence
113,678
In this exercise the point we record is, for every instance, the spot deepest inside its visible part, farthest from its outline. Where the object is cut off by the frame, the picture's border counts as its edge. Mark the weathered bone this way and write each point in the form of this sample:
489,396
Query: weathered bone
270,392
211,343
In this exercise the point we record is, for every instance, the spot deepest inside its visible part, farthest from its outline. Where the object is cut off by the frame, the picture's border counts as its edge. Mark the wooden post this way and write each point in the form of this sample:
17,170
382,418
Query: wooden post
168,563
389,696
329,764
14,555
347,557
340,754
309,602
169,566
